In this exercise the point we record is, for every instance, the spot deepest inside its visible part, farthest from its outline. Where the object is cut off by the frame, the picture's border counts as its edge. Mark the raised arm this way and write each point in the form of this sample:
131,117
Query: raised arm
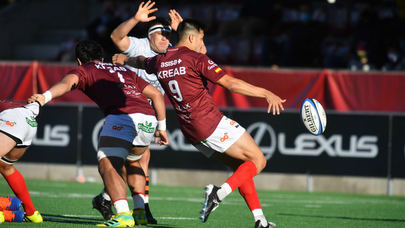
239,86
120,35
158,103
67,84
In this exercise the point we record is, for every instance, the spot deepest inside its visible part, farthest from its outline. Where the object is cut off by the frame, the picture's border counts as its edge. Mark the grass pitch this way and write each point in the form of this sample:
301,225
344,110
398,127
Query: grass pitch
68,204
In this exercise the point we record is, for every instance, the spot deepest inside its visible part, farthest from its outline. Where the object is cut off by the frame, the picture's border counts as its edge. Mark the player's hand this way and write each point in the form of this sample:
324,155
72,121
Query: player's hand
164,138
144,10
275,103
175,19
37,97
119,59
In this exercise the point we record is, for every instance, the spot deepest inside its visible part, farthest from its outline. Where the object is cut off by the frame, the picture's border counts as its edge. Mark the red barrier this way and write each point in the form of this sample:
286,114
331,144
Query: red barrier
336,90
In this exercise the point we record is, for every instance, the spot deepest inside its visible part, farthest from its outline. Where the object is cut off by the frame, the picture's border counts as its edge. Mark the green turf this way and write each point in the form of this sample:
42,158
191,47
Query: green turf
68,204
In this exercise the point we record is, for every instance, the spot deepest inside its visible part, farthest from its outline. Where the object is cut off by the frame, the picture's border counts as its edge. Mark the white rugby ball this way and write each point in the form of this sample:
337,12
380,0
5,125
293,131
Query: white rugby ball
313,116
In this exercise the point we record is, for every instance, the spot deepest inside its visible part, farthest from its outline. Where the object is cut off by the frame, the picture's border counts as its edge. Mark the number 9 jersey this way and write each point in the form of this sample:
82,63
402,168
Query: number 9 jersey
181,73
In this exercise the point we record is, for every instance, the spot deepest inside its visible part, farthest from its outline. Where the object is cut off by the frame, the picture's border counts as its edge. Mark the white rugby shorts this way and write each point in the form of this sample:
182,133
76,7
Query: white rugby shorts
20,123
227,133
136,128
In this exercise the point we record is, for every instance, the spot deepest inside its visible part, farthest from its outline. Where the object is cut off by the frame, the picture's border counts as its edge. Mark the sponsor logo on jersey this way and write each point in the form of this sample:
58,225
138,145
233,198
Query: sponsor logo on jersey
171,72
170,63
146,127
31,121
10,123
211,64
218,70
223,139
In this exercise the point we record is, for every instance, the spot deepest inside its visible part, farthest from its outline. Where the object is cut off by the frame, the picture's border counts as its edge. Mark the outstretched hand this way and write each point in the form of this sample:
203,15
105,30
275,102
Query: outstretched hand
164,138
144,10
275,103
175,19
37,97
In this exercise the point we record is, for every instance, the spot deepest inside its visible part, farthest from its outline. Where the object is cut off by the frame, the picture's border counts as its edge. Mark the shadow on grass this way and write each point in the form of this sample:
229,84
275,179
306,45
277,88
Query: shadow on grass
344,217
87,221
71,219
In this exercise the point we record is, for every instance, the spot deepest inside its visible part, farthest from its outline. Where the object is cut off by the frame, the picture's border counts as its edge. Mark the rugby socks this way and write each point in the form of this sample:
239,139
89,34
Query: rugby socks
258,215
17,184
249,193
105,195
243,173
146,196
121,205
139,200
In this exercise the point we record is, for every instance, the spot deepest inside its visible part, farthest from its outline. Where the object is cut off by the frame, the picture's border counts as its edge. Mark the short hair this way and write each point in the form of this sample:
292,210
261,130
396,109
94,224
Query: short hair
88,50
189,25
158,21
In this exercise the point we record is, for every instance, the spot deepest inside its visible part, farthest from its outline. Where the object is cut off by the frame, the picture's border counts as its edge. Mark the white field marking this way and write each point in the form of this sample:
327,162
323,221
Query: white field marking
233,201
81,216
178,218
312,206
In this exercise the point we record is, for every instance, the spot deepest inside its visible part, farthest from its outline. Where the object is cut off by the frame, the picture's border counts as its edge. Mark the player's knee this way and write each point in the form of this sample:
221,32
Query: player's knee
6,166
260,163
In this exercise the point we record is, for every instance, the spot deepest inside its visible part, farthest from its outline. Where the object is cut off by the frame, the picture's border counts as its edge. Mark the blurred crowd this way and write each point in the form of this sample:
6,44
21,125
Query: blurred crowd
356,35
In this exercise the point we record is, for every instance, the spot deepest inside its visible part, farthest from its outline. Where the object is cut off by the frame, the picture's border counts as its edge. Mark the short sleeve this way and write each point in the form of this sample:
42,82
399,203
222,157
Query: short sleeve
136,47
209,69
140,83
79,71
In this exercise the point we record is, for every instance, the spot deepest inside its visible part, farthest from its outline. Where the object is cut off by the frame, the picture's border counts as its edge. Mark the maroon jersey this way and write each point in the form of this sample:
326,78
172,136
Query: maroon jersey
182,73
8,104
115,89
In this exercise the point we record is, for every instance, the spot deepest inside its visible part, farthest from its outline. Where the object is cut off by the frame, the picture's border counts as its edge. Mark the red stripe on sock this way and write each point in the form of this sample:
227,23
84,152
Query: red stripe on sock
249,193
120,199
17,184
245,172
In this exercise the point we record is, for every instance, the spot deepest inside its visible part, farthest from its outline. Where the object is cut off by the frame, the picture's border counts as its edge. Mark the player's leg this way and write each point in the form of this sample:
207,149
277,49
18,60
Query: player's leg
7,143
136,183
111,156
247,190
17,183
144,162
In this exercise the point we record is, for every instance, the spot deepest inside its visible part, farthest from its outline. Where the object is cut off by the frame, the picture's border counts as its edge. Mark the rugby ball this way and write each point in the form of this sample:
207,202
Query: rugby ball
313,116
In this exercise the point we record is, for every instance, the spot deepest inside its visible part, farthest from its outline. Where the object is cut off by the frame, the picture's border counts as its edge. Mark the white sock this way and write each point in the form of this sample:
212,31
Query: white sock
224,191
139,201
105,195
258,215
146,199
121,205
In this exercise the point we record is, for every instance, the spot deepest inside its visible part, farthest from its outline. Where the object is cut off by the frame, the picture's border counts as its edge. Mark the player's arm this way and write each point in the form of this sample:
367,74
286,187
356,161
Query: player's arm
158,103
120,34
67,84
239,86
137,62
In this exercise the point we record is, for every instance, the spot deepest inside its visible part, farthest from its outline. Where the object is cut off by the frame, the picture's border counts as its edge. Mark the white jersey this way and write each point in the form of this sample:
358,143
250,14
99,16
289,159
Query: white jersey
141,46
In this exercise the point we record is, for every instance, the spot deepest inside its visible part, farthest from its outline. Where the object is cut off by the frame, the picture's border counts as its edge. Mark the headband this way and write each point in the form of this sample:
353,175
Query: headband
163,28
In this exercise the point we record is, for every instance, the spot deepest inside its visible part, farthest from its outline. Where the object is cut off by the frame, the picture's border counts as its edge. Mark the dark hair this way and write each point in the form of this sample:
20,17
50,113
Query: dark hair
158,21
188,25
88,50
